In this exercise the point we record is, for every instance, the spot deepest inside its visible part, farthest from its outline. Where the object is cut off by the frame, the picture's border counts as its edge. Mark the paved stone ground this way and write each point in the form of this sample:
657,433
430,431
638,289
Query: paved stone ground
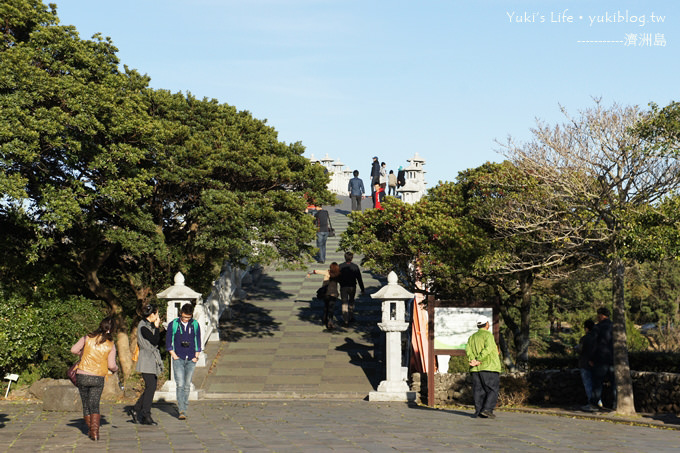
322,426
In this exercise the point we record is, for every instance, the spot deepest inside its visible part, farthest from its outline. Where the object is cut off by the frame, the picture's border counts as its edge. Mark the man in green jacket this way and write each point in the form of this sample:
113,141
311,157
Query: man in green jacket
485,368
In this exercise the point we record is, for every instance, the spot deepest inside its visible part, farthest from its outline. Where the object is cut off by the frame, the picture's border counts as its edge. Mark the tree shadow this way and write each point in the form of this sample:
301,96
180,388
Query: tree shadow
247,321
267,287
666,419
3,420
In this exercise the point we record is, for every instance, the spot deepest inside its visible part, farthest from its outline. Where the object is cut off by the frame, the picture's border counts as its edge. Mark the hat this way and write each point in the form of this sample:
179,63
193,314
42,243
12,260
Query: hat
482,320
375,157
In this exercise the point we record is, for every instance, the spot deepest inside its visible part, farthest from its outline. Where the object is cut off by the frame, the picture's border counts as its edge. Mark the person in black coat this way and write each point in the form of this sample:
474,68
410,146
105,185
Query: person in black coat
350,275
602,356
375,177
401,177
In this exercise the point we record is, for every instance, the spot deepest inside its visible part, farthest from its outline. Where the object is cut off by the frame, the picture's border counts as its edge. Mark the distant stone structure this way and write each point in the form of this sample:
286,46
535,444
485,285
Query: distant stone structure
340,174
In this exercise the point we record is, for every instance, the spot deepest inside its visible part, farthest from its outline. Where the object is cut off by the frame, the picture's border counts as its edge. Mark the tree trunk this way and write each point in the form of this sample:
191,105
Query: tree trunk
124,350
89,265
624,383
507,359
526,281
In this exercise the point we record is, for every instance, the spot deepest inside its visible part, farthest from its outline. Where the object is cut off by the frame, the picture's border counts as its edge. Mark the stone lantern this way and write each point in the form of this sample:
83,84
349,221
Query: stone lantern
176,296
394,387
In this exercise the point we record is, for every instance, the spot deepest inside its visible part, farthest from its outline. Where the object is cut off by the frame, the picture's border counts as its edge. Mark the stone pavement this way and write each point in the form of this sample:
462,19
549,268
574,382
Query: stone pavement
322,426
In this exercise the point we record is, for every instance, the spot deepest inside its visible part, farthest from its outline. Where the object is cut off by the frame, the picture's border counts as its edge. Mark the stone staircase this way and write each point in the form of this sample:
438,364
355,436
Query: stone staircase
275,345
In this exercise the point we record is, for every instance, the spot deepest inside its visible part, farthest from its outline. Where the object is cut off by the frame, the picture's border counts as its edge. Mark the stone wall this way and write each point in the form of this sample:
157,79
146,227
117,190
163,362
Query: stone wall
653,392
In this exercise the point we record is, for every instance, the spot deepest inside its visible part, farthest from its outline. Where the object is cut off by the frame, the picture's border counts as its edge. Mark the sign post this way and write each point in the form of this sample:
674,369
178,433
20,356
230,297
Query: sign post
450,324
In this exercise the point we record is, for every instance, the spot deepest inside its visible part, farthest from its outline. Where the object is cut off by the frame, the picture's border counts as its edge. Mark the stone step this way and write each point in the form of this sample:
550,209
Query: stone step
276,346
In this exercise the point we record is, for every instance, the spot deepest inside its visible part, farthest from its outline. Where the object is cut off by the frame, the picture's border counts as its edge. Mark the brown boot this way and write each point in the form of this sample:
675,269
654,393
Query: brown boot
88,420
94,426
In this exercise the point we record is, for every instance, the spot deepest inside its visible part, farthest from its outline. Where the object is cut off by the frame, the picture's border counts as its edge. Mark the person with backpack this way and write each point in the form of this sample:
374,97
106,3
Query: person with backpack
183,342
328,292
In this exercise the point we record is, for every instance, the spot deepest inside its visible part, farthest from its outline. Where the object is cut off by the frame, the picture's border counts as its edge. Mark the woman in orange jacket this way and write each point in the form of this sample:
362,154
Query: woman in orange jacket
97,356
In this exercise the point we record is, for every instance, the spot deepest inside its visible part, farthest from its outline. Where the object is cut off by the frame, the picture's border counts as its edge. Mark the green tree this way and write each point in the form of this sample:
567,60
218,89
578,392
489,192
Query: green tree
609,188
120,186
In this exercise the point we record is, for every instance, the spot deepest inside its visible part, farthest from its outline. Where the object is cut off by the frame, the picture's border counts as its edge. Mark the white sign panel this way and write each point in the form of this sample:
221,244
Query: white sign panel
454,325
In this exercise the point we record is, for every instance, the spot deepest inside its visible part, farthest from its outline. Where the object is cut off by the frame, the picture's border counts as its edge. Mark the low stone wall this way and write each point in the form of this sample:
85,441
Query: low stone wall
62,395
653,392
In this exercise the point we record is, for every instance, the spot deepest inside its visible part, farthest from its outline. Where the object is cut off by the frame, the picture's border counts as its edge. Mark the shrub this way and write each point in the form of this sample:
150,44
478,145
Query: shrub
21,333
69,320
36,335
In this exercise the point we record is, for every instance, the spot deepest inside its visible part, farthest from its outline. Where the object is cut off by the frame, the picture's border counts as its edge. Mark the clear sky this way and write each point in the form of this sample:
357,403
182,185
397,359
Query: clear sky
358,78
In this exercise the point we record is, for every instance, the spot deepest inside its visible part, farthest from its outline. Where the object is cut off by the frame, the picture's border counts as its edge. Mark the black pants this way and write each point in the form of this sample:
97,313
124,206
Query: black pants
143,404
485,386
602,373
90,388
328,308
347,294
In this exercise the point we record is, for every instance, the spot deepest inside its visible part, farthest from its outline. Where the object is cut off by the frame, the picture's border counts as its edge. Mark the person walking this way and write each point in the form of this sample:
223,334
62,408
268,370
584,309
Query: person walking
97,356
183,342
356,191
602,358
375,177
383,175
330,282
323,225
149,363
392,184
350,275
485,369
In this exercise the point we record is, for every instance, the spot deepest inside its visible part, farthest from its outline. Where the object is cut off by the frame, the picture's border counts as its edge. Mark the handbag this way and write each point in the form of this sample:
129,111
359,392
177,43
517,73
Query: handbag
321,292
331,230
71,373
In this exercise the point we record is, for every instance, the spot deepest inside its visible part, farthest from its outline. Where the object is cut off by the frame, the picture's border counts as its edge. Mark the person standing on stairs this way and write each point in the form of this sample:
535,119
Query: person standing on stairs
356,191
323,222
330,283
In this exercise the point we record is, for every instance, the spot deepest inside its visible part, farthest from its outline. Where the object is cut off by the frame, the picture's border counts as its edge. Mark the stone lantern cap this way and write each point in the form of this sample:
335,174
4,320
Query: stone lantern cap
179,290
392,291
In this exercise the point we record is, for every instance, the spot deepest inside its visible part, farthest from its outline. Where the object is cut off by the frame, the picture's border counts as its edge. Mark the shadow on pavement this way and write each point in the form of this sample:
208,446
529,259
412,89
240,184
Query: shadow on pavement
80,424
666,419
449,411
267,287
247,321
360,355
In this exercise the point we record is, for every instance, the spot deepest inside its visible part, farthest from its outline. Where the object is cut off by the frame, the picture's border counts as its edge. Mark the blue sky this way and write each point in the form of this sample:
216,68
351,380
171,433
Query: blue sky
358,78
